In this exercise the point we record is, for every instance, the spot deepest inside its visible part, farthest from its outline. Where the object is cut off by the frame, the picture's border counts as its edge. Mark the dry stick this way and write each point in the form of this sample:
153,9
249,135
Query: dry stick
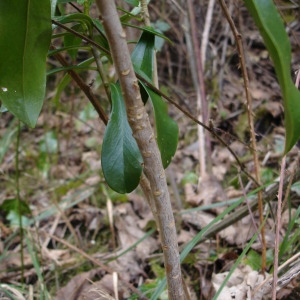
204,140
241,212
101,71
279,211
285,278
224,50
239,44
248,205
205,34
278,227
143,133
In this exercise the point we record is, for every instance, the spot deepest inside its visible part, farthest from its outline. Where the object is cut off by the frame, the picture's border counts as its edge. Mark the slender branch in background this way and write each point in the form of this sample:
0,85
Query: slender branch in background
202,107
84,37
278,227
278,219
240,49
243,211
84,87
205,34
224,50
101,71
144,136
248,205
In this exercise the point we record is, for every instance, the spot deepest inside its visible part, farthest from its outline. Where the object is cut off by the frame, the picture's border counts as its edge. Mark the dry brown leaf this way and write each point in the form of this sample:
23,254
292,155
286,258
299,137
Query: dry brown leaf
240,285
75,286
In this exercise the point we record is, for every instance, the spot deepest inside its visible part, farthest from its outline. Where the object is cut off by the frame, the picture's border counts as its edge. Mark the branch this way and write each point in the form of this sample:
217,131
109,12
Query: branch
84,87
240,49
143,133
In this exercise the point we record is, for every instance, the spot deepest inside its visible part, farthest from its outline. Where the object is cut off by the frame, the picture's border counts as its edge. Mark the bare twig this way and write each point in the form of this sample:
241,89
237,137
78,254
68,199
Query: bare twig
143,133
278,227
202,107
240,49
241,212
249,208
84,87
205,34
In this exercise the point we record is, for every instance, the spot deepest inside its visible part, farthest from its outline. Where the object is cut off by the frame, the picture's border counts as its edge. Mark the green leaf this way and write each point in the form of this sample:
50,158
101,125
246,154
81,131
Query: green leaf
25,35
273,32
149,30
166,128
143,54
71,40
133,2
67,78
121,159
16,205
253,259
16,209
83,19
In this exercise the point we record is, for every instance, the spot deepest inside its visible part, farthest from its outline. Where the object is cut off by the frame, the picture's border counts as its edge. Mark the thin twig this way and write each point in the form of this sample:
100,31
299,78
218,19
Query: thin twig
240,49
241,212
278,228
202,107
84,87
205,34
249,208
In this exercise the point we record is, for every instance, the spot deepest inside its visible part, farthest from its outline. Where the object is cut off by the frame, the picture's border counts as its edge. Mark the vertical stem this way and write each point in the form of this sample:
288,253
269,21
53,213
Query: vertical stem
205,158
240,49
278,227
143,133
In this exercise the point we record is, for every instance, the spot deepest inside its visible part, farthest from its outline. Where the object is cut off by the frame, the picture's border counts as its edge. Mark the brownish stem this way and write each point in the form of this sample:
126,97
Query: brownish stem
84,87
200,88
240,49
143,133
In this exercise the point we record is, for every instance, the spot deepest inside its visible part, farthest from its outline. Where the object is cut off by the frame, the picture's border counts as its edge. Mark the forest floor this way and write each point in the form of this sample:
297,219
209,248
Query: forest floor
81,240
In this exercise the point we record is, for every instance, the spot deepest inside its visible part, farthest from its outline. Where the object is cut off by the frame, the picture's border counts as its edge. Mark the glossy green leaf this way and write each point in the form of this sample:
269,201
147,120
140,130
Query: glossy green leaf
273,32
83,19
166,128
121,159
71,40
149,30
133,2
143,54
63,69
67,79
25,35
